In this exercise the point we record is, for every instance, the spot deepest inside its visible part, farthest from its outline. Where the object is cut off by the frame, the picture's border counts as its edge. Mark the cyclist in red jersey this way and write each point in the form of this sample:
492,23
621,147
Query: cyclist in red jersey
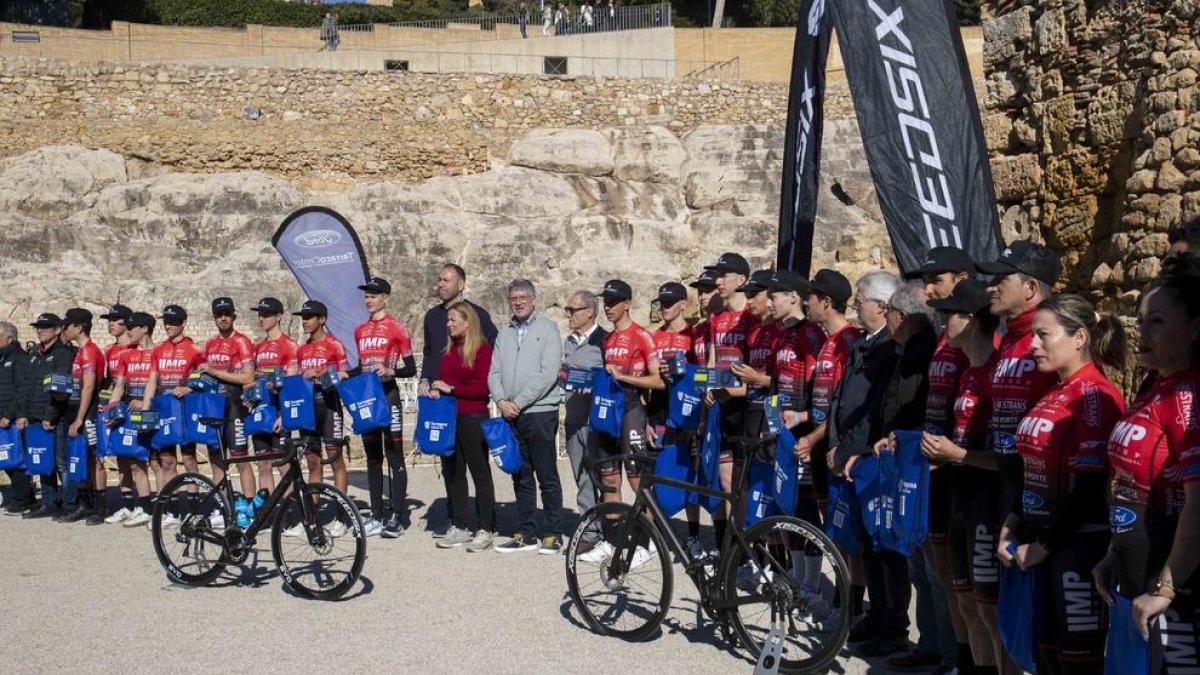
275,352
974,522
1022,278
130,378
229,359
86,371
116,317
320,352
385,348
173,361
710,303
757,370
1059,527
1154,489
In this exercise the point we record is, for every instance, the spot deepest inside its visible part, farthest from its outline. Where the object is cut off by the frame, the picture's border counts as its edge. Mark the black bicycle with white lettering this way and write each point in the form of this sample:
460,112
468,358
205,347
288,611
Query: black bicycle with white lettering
317,537
780,587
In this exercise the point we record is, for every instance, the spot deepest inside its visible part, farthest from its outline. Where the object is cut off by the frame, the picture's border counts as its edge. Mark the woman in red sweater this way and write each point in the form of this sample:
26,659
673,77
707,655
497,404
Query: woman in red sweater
464,373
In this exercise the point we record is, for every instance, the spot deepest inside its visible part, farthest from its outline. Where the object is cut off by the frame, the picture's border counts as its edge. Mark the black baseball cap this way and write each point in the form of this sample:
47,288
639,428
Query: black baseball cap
377,285
787,280
1027,258
269,306
969,296
76,316
140,320
833,284
730,262
174,313
312,308
615,289
222,306
671,293
47,320
117,312
942,259
706,281
759,281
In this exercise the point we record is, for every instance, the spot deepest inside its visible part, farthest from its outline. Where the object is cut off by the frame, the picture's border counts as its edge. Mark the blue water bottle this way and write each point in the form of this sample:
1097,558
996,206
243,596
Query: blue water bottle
260,498
244,515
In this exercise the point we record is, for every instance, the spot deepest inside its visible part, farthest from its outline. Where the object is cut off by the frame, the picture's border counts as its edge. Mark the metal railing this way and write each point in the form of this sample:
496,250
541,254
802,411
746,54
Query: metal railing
721,70
600,18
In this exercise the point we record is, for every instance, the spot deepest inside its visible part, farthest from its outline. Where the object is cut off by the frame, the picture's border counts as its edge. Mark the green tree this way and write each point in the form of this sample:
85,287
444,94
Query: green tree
773,12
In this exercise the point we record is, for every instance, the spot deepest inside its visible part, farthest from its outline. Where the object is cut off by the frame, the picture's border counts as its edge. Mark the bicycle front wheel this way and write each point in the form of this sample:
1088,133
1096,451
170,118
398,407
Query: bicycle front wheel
619,581
188,529
319,544
788,590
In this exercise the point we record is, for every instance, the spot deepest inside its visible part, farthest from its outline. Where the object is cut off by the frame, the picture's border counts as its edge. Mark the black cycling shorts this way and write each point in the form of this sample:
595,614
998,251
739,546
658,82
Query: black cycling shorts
733,424
974,534
631,441
1076,624
1174,636
329,427
266,444
939,505
820,471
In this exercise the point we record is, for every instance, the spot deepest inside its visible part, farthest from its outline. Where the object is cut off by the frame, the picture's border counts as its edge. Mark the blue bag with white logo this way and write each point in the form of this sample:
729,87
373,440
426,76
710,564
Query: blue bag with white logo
296,406
710,458
675,461
1021,604
1126,652
436,425
787,474
686,402
170,421
12,449
261,420
872,498
77,458
39,450
910,516
759,491
502,445
364,398
844,523
608,403
200,406
102,432
125,441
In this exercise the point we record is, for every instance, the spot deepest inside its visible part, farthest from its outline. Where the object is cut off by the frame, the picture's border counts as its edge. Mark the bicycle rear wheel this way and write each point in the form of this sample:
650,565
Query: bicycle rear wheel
795,576
625,595
188,528
319,547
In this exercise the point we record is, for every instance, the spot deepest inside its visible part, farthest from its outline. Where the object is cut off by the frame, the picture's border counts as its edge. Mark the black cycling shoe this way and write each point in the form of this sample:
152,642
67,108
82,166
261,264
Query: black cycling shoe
392,527
864,629
42,511
96,518
77,514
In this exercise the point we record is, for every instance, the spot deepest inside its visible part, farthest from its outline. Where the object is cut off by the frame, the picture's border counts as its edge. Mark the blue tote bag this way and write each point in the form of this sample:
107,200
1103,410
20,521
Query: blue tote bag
1021,604
674,461
12,449
364,398
1126,651
759,491
502,445
710,457
608,403
686,402
198,406
170,421
910,512
787,474
296,406
261,420
844,523
436,425
872,498
77,458
124,441
39,450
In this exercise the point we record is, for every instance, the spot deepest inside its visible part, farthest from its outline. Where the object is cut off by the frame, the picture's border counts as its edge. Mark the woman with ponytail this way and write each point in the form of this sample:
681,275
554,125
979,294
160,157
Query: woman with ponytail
1154,491
1059,525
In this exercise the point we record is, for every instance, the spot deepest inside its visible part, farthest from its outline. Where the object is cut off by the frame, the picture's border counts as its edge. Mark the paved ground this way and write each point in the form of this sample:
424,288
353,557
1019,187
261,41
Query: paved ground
79,598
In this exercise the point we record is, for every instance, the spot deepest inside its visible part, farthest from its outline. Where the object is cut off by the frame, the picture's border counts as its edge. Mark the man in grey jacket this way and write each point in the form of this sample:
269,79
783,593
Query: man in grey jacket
584,350
523,381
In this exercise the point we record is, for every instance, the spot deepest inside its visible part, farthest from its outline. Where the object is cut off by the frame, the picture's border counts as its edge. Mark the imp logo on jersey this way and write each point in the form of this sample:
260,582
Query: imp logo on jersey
371,342
1035,427
1119,516
318,238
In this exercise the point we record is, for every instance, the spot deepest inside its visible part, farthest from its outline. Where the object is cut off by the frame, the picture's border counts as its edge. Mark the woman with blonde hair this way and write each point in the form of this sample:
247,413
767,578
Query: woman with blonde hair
464,373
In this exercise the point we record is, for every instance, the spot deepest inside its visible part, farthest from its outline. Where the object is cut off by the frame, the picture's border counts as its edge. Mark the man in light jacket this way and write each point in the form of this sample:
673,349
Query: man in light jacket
584,350
523,381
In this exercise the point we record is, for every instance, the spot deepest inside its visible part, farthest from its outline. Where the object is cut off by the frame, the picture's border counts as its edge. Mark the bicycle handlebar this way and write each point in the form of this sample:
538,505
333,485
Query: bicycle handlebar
289,453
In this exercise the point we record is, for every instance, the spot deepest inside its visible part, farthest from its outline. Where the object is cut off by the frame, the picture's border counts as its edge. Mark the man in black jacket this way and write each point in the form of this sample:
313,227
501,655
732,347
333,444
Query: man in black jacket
13,360
50,356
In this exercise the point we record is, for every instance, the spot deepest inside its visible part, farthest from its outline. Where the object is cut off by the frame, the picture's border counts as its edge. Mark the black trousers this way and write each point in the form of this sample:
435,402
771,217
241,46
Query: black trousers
471,454
390,443
536,432
888,586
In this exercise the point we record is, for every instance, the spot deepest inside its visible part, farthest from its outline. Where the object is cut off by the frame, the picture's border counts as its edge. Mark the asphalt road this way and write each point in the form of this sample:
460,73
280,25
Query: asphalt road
94,598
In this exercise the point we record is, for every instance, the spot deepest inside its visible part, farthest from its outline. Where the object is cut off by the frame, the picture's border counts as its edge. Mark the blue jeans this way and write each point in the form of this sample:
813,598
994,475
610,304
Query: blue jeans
51,492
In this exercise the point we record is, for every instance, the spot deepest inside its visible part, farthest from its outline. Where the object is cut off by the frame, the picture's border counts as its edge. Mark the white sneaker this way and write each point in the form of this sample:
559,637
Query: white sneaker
168,522
372,528
599,553
642,555
136,518
337,529
296,530
119,517
216,520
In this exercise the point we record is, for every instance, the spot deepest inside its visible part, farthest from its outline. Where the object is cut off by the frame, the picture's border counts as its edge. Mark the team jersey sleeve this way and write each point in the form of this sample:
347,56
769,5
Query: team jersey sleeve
243,357
289,355
401,343
155,354
339,358
646,342
1100,409
92,362
1183,432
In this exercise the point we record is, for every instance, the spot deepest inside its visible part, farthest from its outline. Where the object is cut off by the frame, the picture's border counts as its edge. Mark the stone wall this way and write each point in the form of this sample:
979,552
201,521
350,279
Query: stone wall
1094,127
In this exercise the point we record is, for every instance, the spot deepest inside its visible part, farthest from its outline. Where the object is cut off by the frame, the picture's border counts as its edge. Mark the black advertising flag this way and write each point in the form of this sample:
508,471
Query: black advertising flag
802,144
920,125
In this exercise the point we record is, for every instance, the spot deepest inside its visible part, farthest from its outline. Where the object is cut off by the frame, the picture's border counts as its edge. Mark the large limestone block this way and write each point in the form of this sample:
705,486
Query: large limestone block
564,151
513,191
51,180
651,154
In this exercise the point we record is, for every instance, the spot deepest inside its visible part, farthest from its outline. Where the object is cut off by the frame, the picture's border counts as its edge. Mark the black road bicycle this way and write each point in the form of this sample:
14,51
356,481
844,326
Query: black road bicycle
620,575
317,537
